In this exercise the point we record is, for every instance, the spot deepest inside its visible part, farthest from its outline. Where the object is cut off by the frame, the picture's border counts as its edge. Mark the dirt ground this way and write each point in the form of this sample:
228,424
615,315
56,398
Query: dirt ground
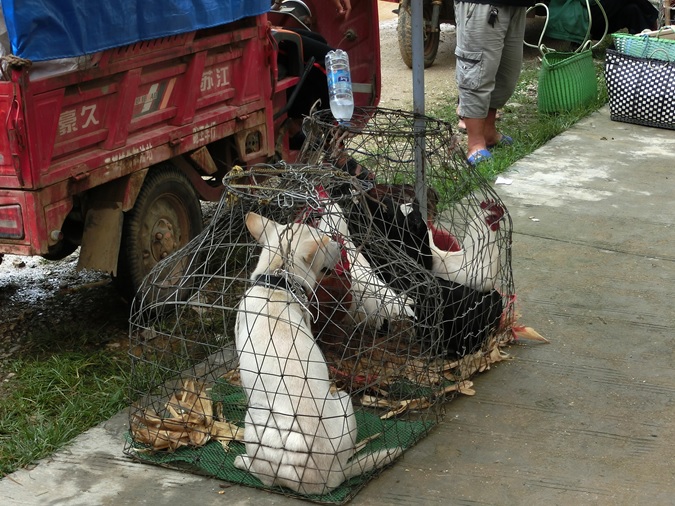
41,299
440,85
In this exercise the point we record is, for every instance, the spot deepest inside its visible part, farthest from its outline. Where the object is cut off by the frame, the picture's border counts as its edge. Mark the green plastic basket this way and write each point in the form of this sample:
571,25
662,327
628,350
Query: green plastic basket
567,81
644,46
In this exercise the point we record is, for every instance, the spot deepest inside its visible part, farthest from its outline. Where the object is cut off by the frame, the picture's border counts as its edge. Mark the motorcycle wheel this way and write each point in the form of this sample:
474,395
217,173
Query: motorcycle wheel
404,31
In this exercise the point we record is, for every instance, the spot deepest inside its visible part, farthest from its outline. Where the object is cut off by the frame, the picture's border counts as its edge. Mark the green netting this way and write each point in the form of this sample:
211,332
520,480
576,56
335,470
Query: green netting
214,460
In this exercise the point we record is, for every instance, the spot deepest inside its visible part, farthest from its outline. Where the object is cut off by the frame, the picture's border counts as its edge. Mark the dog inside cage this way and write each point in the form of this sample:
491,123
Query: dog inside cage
299,434
324,319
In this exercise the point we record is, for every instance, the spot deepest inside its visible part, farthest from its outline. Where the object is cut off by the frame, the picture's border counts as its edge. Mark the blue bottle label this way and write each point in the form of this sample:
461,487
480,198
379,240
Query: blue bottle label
339,79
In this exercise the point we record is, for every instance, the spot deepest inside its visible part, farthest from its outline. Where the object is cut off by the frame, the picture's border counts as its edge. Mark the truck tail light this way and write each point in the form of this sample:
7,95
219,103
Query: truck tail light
11,223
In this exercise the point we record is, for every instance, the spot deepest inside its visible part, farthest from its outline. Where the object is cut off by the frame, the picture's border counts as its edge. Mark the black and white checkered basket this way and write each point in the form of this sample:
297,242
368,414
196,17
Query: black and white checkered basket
641,90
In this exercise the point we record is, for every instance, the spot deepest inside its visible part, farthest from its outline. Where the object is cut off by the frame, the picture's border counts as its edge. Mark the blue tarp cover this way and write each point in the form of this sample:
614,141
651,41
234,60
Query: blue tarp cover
49,29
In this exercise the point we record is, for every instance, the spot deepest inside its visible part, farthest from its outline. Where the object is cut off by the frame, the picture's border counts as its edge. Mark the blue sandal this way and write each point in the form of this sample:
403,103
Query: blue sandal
505,140
479,156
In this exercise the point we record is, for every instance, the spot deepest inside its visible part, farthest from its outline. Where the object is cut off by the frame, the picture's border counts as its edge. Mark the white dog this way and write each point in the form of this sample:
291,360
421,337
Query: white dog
298,434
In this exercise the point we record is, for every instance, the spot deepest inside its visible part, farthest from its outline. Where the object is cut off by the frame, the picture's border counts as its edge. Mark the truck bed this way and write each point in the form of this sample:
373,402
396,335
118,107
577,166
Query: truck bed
136,105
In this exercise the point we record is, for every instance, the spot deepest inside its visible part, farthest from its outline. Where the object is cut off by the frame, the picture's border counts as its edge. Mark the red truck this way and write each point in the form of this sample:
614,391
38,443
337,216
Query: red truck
116,156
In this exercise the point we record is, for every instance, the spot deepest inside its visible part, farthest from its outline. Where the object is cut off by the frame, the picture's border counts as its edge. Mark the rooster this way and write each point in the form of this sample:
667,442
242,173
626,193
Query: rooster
373,301
477,263
332,301
470,313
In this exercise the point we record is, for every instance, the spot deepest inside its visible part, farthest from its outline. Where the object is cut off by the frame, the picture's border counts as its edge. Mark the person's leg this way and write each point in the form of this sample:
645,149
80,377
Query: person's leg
478,52
482,129
475,132
633,17
649,12
461,126
508,73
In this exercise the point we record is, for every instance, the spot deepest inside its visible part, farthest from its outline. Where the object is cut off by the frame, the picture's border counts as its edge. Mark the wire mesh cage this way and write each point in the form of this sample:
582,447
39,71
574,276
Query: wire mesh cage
448,219
312,332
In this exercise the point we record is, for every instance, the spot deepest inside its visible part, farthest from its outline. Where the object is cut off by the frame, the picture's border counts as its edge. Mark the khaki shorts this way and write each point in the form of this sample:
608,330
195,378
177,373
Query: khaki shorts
489,58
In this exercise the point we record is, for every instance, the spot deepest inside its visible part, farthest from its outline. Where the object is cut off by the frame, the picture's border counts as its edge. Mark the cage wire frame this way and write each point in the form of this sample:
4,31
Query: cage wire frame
396,339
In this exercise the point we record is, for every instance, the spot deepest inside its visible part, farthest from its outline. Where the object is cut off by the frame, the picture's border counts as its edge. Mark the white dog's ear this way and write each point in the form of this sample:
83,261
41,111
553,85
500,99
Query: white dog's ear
325,254
256,225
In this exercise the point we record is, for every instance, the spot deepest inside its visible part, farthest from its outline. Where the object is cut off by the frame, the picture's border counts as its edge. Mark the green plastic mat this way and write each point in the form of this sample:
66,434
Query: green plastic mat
213,460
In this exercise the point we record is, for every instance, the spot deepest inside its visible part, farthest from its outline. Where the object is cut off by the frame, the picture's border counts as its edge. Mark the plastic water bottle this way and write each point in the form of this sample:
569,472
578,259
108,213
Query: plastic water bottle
339,85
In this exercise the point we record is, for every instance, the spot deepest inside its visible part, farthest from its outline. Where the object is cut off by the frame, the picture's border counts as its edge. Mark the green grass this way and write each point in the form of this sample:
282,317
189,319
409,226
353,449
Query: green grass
49,401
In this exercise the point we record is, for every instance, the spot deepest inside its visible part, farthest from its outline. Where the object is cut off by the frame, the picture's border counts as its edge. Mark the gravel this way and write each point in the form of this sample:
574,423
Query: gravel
48,306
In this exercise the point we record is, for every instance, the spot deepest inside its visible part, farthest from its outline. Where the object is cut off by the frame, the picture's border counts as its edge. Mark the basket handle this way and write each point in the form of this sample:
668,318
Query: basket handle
651,56
604,15
583,47
541,36
587,39
665,30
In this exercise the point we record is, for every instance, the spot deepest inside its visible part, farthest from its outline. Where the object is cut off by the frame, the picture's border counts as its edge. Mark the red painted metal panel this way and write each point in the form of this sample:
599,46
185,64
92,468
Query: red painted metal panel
80,126
67,134
31,226
188,89
17,152
122,110
359,35
42,122
8,176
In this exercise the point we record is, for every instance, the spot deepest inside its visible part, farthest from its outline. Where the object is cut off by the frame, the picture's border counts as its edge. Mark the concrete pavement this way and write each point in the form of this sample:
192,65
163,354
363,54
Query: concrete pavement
586,419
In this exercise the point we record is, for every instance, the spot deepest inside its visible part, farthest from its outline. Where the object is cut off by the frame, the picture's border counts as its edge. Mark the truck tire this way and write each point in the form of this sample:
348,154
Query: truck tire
166,216
404,32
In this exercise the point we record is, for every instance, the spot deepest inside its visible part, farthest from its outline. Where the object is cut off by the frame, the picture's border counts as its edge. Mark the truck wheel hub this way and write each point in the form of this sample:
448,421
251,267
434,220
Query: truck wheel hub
163,239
